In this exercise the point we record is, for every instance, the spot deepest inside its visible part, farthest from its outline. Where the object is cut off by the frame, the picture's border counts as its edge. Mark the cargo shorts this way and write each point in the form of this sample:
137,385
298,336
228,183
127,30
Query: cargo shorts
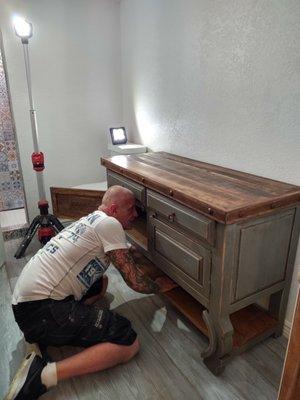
71,322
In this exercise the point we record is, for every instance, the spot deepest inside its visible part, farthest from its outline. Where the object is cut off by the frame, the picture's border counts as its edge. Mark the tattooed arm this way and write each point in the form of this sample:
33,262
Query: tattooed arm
134,275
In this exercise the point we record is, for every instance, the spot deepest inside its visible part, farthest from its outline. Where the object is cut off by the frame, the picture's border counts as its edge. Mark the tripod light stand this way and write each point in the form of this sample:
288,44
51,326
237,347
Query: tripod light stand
46,224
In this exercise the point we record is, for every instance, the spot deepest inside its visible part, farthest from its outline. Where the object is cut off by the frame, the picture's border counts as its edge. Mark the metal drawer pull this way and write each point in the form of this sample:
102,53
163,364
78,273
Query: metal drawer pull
171,217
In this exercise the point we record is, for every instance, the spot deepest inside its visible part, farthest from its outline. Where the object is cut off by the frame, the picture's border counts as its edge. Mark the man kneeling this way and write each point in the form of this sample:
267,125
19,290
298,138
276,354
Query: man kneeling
54,295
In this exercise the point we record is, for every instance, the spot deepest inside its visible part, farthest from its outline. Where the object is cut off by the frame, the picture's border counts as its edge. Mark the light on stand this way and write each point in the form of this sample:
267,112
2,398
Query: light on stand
46,224
23,28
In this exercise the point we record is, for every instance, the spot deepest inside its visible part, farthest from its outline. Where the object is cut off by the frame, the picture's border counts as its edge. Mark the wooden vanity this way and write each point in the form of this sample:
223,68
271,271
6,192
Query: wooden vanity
227,238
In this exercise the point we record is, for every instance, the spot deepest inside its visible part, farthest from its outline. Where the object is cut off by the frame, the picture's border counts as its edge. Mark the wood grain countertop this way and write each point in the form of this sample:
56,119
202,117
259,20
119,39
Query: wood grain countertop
224,194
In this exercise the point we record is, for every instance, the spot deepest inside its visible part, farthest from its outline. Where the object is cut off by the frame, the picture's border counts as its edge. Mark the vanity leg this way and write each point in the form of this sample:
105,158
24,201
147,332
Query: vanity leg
217,318
220,346
212,339
274,310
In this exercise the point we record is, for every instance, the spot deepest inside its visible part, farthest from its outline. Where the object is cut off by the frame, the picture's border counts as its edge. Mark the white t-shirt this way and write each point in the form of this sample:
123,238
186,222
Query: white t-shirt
71,261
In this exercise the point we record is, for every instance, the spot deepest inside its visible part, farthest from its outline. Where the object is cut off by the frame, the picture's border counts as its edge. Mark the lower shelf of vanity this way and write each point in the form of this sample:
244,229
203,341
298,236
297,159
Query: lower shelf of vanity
249,323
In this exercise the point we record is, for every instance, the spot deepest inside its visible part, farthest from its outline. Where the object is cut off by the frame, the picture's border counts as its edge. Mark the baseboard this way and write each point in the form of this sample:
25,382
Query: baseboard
14,234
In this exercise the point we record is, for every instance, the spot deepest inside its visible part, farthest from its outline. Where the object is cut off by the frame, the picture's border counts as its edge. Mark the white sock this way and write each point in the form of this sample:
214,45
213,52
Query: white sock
49,375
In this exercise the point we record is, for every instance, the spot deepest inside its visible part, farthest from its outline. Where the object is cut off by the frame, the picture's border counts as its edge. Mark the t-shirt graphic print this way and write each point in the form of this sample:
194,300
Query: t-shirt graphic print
72,260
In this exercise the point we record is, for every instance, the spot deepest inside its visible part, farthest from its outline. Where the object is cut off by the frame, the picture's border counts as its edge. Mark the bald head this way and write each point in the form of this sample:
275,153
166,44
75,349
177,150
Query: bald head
116,195
119,203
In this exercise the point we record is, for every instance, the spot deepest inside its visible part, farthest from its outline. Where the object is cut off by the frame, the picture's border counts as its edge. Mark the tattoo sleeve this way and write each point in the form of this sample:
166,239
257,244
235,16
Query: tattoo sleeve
132,272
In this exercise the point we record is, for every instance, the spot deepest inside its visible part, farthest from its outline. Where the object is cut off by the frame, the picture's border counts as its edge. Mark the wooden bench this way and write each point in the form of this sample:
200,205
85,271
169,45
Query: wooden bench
76,202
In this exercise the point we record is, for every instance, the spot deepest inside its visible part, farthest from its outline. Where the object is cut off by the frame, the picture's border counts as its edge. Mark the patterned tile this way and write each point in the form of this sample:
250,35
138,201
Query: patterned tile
16,185
10,145
4,167
15,175
3,156
7,124
8,135
4,177
12,166
5,185
13,199
11,185
11,155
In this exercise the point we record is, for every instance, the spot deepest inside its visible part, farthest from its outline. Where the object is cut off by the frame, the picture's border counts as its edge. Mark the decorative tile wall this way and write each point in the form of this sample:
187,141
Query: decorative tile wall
11,184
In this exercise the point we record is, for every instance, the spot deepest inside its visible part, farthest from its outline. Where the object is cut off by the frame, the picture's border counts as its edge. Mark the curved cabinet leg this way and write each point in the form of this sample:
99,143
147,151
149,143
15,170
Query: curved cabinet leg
225,336
211,336
220,346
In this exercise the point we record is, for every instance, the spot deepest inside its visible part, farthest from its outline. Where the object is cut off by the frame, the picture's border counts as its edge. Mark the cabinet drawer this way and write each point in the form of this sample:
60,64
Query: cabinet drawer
185,261
181,215
138,190
189,262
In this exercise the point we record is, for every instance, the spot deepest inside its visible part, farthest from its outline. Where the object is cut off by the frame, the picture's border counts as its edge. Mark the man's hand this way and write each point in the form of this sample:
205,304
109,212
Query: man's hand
137,256
165,284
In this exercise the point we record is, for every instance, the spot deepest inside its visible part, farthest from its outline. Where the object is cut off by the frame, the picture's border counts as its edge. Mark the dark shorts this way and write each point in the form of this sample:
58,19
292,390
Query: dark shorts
71,322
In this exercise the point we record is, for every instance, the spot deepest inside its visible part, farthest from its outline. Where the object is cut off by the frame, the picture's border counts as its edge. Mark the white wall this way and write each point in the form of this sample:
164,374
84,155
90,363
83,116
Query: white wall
218,81
75,62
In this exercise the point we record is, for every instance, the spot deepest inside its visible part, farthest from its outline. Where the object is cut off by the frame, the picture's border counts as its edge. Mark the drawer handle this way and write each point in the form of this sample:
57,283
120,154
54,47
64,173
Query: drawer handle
171,217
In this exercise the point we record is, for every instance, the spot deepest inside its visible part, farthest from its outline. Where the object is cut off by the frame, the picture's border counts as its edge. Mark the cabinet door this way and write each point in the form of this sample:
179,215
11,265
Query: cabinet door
181,258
